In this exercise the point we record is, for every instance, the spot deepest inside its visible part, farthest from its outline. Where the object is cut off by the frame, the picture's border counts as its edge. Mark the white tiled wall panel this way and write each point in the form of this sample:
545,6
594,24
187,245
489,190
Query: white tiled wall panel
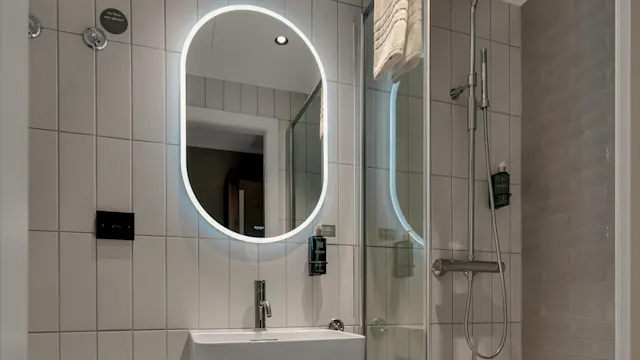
104,135
499,33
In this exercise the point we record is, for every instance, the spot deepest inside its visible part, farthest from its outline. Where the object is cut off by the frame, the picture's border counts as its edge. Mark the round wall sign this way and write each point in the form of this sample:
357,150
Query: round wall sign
114,21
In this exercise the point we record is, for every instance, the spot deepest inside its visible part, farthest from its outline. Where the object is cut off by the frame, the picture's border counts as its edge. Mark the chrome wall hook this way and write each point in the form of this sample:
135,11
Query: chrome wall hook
35,27
95,38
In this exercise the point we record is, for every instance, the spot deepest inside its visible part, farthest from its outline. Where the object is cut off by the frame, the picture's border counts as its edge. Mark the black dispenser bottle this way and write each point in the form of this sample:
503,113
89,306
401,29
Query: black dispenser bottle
501,186
317,254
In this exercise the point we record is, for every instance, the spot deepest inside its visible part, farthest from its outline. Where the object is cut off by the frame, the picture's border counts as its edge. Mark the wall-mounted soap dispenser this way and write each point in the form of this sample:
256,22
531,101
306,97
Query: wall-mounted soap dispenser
317,253
500,182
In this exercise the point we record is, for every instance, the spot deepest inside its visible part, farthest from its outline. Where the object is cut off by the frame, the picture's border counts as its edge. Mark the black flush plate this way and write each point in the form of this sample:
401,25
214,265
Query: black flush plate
114,225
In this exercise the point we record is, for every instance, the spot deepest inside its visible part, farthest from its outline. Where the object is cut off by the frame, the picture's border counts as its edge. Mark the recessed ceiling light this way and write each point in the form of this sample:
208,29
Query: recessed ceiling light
282,40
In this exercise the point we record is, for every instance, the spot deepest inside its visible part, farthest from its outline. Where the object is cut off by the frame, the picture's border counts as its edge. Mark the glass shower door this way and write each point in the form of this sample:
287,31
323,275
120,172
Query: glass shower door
394,221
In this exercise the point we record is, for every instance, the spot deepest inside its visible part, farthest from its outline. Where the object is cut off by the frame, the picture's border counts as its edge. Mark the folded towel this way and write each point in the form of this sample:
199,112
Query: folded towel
389,34
412,53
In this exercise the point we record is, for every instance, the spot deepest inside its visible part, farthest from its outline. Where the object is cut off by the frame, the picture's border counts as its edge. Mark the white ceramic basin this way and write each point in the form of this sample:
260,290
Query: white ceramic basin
281,344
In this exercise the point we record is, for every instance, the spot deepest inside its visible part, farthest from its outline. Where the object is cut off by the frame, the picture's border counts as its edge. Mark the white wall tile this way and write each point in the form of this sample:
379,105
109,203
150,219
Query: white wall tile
515,126
150,345
496,284
148,66
75,16
441,13
460,64
516,341
346,282
273,5
376,271
125,7
442,342
416,135
515,81
283,105
499,141
232,96
114,175
207,6
441,212
43,281
114,91
499,78
266,102
182,283
243,271
116,345
77,182
147,23
195,90
43,180
441,292
516,219
46,11
515,25
483,19
346,205
272,268
149,290
149,184
249,99
483,238
182,217
181,15
500,21
299,287
516,287
43,75
114,284
299,13
330,213
325,33
327,301
460,15
77,282
177,348
77,83
213,283
347,16
441,59
441,138
459,203
78,346
215,94
44,346
398,289
172,93
346,124
459,142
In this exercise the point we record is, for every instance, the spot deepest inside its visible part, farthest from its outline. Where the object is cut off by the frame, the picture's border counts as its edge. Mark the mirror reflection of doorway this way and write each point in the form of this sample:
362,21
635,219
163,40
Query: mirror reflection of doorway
229,180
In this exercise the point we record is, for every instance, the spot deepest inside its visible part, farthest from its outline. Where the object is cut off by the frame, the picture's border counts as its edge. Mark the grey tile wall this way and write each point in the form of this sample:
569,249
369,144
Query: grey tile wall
568,179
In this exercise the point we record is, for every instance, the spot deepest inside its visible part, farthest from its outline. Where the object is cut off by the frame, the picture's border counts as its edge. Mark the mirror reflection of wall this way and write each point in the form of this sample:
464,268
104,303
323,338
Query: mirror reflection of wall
254,148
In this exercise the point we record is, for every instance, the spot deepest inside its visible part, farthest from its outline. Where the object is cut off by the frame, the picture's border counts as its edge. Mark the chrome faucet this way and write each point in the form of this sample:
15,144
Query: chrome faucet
262,305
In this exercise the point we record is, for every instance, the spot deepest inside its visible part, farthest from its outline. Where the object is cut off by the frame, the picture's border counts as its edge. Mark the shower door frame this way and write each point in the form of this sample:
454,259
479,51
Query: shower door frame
426,113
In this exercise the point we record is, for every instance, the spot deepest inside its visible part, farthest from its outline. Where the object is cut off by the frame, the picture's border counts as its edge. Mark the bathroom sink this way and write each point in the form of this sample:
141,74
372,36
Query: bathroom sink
277,344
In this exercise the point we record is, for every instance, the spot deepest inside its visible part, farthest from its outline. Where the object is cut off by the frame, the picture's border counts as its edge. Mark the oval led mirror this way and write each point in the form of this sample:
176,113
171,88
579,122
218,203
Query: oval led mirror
253,132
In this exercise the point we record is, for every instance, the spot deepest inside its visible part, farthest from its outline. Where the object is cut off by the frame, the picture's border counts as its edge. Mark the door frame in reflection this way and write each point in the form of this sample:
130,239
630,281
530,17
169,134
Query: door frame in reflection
267,127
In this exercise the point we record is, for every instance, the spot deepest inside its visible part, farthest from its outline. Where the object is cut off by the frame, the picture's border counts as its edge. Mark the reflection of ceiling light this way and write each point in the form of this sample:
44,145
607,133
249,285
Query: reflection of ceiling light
282,40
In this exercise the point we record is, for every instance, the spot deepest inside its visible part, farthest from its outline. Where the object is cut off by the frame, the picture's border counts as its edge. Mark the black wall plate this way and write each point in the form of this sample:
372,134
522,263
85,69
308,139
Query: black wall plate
115,225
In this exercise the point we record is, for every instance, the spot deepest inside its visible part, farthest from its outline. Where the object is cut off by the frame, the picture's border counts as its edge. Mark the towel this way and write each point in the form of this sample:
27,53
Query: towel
389,34
412,53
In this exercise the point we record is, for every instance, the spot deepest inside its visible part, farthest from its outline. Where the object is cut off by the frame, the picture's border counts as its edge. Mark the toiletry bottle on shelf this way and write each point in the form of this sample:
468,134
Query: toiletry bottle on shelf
500,182
317,253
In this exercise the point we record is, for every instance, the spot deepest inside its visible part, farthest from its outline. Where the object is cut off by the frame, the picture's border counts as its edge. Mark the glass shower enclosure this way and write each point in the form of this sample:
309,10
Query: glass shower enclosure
393,202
